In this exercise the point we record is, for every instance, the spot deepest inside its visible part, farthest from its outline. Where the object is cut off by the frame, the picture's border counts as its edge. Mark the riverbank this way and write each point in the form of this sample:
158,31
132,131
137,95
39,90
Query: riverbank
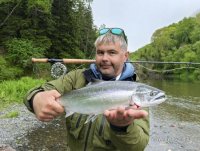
13,130
172,129
25,132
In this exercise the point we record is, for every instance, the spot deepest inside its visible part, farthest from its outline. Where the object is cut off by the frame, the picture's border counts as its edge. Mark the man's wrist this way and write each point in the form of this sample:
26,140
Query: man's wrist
31,100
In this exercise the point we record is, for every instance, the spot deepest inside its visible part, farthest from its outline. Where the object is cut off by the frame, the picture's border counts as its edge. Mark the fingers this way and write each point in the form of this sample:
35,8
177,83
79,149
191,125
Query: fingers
51,111
55,93
106,113
137,114
46,114
117,116
115,113
45,117
120,110
46,120
45,105
124,116
56,107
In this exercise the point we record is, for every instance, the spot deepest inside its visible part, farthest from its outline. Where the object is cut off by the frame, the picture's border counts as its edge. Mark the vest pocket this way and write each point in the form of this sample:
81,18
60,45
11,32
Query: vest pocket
75,125
101,137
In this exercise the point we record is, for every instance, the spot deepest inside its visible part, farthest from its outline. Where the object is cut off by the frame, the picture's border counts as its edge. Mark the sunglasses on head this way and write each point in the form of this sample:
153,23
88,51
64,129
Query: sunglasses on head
114,31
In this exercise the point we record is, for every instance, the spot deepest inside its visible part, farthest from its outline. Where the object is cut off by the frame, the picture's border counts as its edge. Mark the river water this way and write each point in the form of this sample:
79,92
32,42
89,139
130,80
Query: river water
175,124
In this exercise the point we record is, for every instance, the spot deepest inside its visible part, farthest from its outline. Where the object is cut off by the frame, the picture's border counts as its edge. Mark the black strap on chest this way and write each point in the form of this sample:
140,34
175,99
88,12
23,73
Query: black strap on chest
89,76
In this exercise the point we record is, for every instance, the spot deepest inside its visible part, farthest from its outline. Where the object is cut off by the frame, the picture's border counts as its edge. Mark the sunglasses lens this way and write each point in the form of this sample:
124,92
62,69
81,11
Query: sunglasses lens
117,31
103,31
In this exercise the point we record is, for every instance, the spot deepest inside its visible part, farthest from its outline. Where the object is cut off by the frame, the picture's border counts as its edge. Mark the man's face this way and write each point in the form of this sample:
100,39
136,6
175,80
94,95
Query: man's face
110,59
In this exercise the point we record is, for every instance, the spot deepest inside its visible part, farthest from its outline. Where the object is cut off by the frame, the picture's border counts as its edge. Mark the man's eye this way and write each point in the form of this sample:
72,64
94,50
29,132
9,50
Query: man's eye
99,53
112,53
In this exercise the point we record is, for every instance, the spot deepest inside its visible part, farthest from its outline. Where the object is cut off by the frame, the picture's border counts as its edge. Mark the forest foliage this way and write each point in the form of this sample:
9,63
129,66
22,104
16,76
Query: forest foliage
43,28
65,29
178,42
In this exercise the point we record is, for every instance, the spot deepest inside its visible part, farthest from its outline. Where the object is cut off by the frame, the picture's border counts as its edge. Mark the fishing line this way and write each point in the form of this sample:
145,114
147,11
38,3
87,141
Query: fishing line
36,70
165,71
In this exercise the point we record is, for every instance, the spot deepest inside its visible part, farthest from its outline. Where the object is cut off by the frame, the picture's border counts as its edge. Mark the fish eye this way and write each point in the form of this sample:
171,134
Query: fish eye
152,93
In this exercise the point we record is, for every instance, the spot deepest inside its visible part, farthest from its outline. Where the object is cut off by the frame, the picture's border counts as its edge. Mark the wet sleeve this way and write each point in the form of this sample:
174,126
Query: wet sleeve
29,97
63,84
53,85
135,138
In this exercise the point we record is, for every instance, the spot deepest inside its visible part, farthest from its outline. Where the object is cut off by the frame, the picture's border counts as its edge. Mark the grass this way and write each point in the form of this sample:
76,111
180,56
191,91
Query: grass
12,114
13,91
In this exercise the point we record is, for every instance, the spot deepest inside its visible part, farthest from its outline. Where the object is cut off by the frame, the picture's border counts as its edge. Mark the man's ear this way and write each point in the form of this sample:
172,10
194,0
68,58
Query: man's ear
127,55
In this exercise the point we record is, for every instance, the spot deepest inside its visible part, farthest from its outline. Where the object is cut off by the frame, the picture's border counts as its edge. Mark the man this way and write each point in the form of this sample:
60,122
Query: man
120,129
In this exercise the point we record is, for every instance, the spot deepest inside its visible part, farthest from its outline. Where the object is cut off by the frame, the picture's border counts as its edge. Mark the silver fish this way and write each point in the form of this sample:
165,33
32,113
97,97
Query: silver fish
100,96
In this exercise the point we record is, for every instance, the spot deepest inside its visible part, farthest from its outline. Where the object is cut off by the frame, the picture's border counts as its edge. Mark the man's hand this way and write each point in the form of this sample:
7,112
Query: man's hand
124,116
46,106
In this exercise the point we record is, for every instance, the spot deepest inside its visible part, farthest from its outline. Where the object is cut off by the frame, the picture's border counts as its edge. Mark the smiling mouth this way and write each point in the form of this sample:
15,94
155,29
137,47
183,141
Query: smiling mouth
105,66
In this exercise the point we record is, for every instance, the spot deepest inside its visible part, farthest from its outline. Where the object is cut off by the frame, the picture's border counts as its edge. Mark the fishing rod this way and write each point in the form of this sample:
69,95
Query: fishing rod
67,61
159,62
58,68
80,61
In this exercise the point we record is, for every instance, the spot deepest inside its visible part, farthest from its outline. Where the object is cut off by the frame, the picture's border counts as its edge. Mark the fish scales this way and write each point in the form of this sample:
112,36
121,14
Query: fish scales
99,96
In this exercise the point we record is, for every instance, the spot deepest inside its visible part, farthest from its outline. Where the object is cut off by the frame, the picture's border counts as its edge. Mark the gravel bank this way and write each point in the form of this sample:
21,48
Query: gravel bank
12,130
27,133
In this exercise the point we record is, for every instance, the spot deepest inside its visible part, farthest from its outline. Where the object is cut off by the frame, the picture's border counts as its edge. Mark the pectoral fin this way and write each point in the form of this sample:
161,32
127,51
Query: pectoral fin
91,118
68,113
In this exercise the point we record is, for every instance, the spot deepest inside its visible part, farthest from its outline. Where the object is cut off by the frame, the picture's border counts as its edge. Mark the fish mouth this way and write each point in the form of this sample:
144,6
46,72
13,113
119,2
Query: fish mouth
160,97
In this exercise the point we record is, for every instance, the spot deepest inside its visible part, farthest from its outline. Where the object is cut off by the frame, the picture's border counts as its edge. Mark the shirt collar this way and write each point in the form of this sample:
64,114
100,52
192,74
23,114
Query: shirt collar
117,78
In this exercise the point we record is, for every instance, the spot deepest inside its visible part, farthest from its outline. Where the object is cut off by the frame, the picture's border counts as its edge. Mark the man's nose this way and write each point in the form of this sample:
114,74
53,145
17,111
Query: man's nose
105,56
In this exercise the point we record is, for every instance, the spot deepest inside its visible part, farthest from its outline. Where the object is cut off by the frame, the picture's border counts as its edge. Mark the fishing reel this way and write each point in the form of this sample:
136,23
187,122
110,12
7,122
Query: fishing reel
58,69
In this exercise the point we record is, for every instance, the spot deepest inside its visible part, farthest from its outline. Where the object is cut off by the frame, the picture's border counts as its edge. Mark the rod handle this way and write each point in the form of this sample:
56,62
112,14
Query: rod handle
41,60
67,61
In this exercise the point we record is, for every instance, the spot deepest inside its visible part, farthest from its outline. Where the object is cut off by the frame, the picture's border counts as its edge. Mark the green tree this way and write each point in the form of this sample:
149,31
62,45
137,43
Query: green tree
53,29
21,50
8,71
179,42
